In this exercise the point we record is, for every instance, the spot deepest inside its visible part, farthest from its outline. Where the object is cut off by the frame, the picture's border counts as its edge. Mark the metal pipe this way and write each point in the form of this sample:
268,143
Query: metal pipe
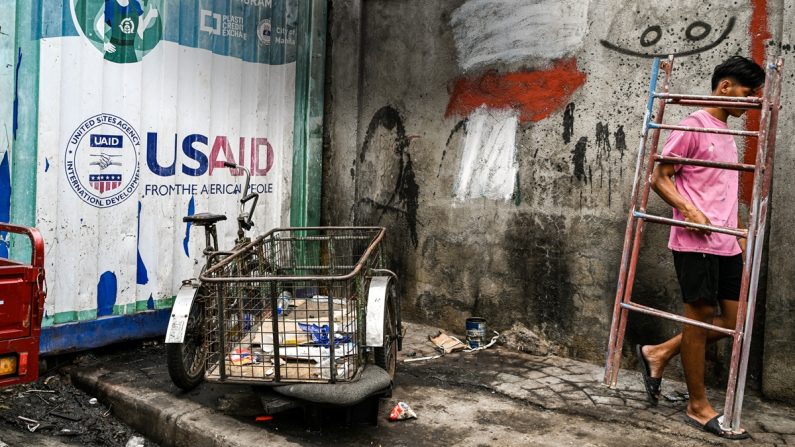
655,72
669,316
738,232
644,198
744,133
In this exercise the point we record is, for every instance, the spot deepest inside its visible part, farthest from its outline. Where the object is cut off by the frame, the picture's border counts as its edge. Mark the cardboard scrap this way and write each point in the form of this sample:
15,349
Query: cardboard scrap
446,343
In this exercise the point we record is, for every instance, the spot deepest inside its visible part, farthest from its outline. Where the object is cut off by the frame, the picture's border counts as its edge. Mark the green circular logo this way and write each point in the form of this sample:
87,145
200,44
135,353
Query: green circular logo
123,30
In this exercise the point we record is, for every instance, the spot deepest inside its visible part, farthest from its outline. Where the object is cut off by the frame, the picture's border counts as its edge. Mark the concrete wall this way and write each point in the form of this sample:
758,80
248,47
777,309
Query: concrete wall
497,140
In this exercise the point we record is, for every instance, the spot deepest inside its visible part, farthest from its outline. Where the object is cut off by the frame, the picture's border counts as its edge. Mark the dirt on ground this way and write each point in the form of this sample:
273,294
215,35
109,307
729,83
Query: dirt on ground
53,407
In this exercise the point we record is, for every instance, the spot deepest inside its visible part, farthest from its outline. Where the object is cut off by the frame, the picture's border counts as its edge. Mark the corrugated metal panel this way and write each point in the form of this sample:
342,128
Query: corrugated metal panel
139,103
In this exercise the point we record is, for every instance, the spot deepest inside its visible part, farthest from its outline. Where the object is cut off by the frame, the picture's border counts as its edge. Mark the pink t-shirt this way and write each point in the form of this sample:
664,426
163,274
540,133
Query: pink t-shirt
713,191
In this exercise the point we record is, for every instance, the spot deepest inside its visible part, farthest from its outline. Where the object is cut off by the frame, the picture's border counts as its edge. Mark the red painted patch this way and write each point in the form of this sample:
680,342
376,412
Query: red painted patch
758,32
535,94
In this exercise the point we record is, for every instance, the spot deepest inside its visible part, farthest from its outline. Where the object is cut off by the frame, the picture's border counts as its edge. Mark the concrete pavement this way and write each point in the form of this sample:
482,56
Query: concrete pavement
496,396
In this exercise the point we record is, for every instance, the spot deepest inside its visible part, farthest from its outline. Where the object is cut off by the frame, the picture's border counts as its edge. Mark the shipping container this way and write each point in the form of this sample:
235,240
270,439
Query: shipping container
117,117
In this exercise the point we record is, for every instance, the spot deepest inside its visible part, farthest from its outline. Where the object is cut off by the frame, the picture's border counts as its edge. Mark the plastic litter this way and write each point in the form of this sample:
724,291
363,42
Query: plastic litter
93,401
676,396
240,356
320,334
30,424
402,411
264,418
316,353
136,441
283,302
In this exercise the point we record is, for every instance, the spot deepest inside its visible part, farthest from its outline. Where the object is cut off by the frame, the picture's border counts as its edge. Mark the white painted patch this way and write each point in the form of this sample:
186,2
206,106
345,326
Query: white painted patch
488,163
492,31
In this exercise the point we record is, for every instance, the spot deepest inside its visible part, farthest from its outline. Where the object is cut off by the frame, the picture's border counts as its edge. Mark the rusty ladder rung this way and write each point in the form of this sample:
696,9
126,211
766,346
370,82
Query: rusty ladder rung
748,102
739,232
706,163
669,316
703,103
743,133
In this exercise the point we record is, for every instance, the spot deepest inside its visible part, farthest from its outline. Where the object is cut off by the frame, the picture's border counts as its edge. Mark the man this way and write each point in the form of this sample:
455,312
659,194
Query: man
708,265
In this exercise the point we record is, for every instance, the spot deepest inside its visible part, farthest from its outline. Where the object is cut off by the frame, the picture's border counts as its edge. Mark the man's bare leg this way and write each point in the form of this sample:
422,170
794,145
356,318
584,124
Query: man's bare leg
658,356
693,352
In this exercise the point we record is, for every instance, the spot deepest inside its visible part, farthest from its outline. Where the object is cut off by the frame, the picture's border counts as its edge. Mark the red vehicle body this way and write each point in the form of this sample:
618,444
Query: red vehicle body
22,294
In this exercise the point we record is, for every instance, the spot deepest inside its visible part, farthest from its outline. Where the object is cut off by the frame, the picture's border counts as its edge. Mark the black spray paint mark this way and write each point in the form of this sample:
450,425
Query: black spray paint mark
602,141
579,159
696,31
404,199
621,141
388,118
602,148
621,147
568,123
652,35
461,125
609,184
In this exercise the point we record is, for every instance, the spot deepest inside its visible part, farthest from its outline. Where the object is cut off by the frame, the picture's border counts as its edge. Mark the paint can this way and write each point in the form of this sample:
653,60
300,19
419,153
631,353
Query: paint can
476,332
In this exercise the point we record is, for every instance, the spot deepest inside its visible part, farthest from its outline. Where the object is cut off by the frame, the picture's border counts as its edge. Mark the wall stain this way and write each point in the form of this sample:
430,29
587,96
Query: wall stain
578,158
403,198
537,258
568,123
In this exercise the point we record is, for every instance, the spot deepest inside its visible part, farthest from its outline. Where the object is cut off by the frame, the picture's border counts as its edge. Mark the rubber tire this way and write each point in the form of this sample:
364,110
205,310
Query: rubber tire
175,352
386,356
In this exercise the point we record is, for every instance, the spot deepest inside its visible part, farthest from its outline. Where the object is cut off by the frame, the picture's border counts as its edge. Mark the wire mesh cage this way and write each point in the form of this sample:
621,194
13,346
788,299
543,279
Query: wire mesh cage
290,306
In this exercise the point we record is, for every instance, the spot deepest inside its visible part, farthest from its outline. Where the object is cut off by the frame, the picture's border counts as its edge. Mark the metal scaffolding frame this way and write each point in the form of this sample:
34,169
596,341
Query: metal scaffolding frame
769,104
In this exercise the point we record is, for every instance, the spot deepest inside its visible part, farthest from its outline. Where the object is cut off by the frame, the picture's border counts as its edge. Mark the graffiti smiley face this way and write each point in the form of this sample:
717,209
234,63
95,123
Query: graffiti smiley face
651,32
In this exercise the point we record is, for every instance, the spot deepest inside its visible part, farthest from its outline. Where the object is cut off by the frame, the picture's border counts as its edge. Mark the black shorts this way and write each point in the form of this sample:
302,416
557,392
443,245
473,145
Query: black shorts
708,278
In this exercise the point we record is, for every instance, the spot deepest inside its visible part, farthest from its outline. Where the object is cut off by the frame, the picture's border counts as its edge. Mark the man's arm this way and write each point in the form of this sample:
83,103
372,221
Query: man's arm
663,184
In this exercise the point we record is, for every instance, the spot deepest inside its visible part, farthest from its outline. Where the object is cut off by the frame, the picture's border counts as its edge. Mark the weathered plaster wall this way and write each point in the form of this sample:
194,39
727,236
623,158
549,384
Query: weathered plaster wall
496,140
779,331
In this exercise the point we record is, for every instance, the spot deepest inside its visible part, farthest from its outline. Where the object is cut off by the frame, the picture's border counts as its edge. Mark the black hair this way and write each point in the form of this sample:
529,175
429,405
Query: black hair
740,69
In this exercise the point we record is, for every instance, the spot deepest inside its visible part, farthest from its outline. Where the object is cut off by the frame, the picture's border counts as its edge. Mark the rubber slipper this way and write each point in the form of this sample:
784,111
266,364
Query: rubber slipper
652,384
713,426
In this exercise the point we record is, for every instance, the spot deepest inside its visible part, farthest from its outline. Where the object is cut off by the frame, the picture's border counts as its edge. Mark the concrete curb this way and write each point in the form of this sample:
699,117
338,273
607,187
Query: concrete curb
167,419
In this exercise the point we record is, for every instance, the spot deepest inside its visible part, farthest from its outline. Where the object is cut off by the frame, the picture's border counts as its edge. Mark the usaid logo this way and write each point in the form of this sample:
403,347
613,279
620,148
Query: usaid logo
101,160
264,32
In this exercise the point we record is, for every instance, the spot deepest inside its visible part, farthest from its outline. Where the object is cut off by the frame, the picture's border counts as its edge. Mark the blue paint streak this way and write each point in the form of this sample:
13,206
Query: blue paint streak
46,164
5,202
107,289
150,303
191,211
15,124
142,275
83,335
